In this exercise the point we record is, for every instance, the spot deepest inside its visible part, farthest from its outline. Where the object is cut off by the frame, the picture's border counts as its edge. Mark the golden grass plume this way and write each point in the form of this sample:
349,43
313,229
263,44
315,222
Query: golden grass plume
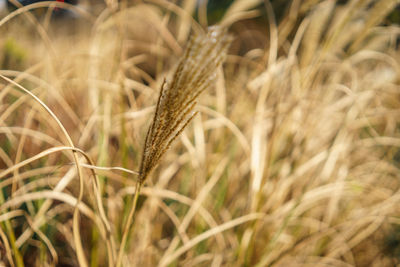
195,72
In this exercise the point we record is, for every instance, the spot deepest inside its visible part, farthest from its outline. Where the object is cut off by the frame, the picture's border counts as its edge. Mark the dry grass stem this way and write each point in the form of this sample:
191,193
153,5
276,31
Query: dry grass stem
195,72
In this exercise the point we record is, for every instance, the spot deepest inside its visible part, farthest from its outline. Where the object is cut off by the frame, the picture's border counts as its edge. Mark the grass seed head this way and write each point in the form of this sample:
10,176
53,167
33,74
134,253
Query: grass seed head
195,72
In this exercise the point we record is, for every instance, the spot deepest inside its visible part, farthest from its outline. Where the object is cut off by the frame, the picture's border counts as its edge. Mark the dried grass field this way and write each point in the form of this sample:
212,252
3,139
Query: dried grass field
133,134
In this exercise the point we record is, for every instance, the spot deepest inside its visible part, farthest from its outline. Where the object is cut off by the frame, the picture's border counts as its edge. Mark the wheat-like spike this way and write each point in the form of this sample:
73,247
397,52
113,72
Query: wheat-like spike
174,134
174,128
161,145
197,64
157,112
182,113
208,61
194,73
168,145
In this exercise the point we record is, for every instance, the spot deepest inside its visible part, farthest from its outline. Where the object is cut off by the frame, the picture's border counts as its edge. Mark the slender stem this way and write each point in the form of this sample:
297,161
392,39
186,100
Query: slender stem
128,223
94,253
11,236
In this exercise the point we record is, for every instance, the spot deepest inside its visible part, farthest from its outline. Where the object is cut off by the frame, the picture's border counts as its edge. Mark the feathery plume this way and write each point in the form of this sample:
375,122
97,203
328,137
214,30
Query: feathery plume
195,72
174,110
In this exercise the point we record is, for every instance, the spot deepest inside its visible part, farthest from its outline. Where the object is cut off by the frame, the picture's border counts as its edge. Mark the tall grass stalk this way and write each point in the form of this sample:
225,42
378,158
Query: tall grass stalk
195,72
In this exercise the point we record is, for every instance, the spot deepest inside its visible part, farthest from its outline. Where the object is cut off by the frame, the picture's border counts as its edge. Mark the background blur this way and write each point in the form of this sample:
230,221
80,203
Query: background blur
293,159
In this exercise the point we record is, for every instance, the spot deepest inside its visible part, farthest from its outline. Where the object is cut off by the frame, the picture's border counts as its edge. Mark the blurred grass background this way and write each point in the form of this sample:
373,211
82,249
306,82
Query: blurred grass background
293,159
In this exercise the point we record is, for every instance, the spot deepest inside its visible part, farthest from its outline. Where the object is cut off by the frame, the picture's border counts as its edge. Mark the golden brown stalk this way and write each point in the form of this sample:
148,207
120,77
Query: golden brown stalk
195,72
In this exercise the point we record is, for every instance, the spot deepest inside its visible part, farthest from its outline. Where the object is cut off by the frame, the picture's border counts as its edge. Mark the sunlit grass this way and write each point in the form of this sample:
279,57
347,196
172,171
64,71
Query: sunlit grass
292,159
